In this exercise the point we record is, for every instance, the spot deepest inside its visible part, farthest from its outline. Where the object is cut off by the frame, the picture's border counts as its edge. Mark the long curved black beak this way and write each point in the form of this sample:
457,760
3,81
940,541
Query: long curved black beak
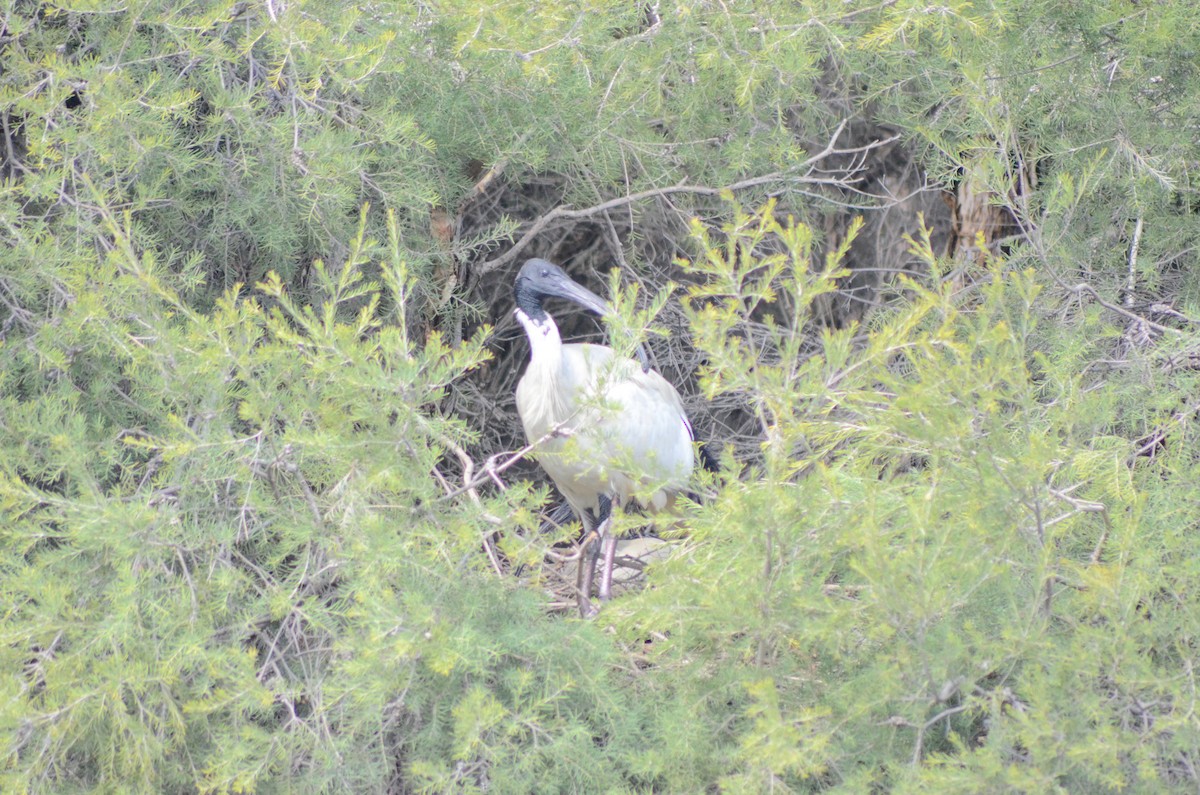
573,291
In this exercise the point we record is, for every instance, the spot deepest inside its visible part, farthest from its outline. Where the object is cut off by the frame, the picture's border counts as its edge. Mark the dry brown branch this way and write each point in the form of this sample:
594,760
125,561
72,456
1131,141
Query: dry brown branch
468,467
491,469
810,177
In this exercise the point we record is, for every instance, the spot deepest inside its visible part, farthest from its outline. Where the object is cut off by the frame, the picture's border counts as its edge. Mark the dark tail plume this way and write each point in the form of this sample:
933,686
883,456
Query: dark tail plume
708,459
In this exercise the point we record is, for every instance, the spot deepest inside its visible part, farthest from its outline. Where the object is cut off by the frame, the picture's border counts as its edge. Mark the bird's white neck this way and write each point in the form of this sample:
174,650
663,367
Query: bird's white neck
545,344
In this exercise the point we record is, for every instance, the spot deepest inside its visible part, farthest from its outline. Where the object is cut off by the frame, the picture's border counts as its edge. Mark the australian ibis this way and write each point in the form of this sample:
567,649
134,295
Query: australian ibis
607,429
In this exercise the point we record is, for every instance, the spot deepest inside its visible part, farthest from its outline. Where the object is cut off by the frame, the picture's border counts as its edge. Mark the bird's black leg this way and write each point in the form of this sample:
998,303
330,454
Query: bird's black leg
585,571
608,547
589,552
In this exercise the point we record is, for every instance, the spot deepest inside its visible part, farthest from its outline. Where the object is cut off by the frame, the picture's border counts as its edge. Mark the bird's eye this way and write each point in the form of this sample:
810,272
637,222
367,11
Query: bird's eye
545,273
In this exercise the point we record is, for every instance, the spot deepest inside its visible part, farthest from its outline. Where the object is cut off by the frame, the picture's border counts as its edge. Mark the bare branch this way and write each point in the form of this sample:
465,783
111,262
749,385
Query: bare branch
491,469
1083,287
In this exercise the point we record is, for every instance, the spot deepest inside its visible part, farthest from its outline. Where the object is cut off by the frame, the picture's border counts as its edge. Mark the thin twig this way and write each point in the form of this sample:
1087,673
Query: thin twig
1159,435
1130,276
1094,559
1083,287
187,575
919,748
1084,506
492,470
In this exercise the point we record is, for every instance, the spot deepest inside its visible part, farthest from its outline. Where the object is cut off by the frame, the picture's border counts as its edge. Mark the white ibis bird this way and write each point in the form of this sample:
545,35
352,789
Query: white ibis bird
607,430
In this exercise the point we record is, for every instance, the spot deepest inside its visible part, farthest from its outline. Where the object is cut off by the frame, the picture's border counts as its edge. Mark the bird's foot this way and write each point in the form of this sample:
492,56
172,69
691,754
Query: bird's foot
587,609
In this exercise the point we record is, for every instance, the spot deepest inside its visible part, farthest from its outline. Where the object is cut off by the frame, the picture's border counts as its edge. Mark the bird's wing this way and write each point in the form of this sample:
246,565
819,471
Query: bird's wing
606,372
642,415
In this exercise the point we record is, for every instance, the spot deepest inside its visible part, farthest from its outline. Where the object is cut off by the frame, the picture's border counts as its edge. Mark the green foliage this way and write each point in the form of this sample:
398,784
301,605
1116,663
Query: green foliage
962,556
1074,115
227,566
244,137
960,591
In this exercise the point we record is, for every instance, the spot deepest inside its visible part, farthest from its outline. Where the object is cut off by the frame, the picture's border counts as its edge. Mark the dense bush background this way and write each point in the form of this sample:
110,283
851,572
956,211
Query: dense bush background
936,299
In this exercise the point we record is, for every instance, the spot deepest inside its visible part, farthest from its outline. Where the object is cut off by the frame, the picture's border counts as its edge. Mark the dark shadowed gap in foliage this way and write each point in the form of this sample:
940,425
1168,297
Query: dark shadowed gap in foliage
647,240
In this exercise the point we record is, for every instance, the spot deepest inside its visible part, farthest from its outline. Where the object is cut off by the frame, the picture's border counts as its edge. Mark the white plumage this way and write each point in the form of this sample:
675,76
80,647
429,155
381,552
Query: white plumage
607,430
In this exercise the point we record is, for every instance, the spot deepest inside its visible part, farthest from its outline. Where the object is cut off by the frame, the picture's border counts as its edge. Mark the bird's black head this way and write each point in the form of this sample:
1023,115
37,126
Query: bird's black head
539,280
